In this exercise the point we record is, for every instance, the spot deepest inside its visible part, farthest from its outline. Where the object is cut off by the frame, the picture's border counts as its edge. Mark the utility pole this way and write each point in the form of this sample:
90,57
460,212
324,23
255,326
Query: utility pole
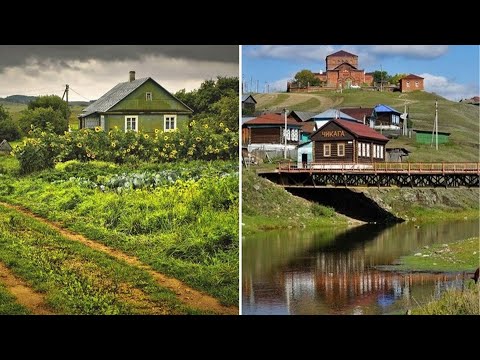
435,128
65,94
257,86
381,78
285,135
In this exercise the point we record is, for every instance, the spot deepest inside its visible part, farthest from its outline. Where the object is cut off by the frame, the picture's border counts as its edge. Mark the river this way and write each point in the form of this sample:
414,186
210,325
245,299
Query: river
334,271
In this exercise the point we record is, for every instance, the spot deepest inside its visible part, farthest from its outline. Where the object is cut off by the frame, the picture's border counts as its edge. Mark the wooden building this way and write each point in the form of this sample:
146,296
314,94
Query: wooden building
361,114
138,104
397,154
411,83
248,105
341,141
425,137
269,129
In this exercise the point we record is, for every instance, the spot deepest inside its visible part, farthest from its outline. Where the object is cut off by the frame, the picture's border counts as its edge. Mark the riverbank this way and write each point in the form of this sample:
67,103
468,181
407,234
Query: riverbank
458,256
266,206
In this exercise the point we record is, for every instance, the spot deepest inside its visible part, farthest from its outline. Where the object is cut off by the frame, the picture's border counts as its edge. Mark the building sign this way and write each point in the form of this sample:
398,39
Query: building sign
333,133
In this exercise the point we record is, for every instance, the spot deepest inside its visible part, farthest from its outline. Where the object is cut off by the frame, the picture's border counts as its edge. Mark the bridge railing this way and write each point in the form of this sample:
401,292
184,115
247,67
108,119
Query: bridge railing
385,167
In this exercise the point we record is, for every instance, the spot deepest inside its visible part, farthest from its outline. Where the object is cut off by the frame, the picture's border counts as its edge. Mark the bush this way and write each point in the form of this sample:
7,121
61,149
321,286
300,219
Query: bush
198,142
321,210
9,130
40,117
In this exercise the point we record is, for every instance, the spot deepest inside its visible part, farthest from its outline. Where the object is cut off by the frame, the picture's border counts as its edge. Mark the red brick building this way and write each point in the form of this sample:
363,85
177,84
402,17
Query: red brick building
342,71
411,83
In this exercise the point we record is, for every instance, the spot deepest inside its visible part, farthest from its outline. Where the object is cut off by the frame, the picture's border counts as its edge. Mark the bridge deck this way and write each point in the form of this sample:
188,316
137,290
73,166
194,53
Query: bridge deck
379,175
385,167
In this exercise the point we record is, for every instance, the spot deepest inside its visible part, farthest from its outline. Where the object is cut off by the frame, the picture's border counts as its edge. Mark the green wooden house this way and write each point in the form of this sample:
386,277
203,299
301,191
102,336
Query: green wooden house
139,104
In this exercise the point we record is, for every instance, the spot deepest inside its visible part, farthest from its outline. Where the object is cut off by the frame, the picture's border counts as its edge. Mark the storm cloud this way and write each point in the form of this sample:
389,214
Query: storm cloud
17,55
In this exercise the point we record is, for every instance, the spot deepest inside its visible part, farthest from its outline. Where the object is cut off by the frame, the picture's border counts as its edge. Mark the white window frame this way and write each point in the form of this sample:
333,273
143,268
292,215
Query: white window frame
146,96
102,122
408,83
416,83
359,149
329,147
381,151
169,116
364,151
340,146
368,150
136,122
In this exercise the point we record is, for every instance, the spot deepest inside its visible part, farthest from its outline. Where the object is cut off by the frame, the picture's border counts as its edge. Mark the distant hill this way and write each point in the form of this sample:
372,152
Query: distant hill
19,99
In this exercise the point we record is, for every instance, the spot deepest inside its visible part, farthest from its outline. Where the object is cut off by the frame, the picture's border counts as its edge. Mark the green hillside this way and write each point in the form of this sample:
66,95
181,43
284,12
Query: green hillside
460,119
15,110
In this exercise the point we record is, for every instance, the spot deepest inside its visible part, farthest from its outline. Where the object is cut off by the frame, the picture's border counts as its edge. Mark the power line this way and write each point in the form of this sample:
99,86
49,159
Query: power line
79,94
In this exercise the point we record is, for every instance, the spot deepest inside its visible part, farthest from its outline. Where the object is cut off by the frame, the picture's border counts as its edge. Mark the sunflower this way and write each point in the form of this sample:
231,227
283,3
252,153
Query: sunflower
165,138
98,129
156,131
227,130
221,124
198,138
205,126
79,145
113,144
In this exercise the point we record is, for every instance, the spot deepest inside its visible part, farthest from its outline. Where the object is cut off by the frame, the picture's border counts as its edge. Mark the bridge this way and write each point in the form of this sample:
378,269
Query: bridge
384,174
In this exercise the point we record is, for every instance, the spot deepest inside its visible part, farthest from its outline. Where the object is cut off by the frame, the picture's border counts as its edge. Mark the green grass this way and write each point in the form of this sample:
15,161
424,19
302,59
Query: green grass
462,255
75,278
8,304
9,165
188,230
267,206
458,118
453,302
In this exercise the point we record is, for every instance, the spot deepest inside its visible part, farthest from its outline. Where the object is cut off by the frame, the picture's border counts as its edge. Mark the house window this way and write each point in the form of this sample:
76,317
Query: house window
148,96
327,150
359,149
381,151
408,83
368,149
364,151
340,149
416,83
375,151
169,122
102,122
131,123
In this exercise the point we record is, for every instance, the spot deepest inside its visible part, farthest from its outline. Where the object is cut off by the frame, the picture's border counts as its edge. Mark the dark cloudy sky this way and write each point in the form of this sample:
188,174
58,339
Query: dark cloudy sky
92,70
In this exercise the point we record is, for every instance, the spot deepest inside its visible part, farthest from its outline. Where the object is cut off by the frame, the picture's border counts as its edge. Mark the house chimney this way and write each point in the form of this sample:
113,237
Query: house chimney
132,76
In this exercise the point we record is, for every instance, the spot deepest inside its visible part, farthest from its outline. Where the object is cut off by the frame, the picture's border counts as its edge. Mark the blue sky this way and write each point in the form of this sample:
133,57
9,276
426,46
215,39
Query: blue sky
451,71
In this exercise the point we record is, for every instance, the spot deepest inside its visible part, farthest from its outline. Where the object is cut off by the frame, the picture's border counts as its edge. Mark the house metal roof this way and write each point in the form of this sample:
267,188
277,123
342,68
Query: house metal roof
358,113
116,94
358,130
272,119
303,115
385,108
333,114
245,97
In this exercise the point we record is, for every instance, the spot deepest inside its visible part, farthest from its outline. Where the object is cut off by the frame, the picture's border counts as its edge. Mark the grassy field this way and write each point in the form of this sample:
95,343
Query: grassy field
74,278
462,255
187,230
460,119
453,302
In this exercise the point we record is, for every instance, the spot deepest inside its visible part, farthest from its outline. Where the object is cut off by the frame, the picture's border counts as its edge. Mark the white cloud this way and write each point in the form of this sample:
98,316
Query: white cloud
93,78
291,52
448,88
368,54
413,51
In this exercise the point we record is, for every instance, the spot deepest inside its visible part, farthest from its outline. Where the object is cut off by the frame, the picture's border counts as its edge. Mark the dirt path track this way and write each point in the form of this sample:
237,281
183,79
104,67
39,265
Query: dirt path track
32,300
186,294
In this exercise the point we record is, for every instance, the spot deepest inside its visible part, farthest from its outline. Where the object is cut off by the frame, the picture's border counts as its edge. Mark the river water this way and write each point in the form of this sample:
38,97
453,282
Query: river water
333,271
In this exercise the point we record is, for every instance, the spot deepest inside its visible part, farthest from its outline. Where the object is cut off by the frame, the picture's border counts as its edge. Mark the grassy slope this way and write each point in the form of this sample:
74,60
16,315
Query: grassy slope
458,118
8,304
15,110
267,206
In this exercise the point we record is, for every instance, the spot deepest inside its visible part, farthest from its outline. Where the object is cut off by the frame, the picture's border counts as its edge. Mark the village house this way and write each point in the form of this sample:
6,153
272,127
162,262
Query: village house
138,104
411,83
266,132
248,105
342,141
361,114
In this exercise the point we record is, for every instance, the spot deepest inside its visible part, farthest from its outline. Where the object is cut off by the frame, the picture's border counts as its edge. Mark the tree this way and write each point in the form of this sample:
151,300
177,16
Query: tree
9,130
379,76
395,79
226,111
306,78
39,117
53,101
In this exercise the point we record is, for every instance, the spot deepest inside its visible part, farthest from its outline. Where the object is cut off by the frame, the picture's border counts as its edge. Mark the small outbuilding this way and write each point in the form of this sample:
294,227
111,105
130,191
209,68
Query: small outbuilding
5,147
425,136
397,154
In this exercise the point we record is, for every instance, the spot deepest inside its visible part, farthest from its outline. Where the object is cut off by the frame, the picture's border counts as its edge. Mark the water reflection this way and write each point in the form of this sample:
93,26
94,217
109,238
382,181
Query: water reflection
331,272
